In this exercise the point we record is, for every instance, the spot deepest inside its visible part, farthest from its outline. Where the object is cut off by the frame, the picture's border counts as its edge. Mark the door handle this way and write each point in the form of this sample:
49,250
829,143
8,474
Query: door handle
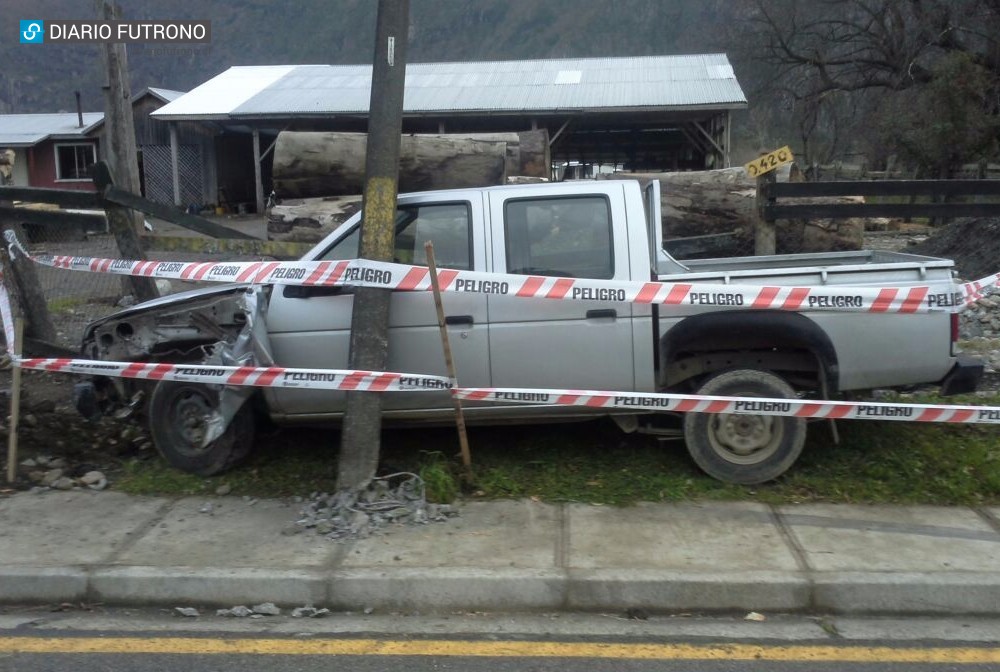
459,319
602,312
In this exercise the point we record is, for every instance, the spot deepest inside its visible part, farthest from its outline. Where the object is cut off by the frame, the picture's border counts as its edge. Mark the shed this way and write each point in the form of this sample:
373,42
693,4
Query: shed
635,113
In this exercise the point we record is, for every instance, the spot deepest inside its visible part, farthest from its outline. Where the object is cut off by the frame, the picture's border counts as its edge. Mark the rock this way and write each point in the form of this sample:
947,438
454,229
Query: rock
267,609
64,483
754,616
51,476
240,611
30,419
223,490
58,463
309,612
188,612
29,463
36,476
207,508
94,480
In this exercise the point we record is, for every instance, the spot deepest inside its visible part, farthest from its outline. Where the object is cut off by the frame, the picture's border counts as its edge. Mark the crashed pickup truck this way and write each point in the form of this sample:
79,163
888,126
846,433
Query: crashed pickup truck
604,230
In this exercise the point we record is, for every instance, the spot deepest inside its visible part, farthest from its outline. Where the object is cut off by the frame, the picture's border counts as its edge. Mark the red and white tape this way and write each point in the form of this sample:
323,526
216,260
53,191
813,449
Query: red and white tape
941,297
251,376
689,403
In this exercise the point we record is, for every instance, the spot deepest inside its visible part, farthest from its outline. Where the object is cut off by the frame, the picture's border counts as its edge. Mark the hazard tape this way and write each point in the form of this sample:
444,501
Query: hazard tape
248,376
941,297
689,403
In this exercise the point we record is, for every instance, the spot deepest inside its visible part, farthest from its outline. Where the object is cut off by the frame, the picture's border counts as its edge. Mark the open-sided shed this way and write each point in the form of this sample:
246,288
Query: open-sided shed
639,113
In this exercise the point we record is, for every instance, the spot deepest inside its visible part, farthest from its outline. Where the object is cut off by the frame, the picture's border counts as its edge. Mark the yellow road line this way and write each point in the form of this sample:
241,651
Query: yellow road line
452,648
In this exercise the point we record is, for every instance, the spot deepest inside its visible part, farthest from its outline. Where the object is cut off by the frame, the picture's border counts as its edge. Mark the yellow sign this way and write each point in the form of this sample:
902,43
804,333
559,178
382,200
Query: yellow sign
770,161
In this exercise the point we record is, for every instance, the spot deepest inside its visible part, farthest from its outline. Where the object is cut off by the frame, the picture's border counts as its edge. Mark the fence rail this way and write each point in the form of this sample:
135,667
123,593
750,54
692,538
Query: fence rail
940,191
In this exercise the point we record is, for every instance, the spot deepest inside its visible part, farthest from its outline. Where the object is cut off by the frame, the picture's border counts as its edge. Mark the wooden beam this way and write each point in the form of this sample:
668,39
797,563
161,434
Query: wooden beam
258,183
170,214
55,218
886,188
896,210
67,198
175,173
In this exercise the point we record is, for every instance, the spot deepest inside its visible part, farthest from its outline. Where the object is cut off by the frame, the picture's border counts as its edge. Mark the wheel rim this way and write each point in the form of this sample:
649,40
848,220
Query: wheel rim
745,439
188,421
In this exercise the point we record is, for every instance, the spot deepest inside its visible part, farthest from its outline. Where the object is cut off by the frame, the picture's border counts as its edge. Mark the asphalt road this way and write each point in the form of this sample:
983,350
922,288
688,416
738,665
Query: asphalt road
151,642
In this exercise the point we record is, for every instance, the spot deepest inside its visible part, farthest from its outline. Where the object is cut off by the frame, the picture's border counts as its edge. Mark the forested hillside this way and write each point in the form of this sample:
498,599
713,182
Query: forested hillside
254,32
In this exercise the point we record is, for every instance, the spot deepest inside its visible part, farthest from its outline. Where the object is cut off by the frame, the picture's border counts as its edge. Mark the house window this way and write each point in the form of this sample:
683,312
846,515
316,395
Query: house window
72,161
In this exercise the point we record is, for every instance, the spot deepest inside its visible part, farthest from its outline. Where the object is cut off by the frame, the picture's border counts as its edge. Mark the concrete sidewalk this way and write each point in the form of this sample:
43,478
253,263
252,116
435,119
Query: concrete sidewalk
505,556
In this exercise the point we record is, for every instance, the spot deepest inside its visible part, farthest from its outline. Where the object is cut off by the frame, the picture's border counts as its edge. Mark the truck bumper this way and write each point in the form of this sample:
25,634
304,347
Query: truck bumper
963,377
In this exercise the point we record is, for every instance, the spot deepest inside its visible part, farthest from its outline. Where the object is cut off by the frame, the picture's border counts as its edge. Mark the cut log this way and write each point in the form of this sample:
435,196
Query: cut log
332,164
720,204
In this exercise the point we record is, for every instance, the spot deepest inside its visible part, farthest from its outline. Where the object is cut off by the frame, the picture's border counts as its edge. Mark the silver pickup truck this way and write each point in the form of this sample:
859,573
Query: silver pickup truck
595,229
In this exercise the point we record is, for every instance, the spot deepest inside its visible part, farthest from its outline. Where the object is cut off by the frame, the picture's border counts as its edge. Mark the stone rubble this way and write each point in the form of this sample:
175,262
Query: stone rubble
267,609
397,499
309,611
241,611
187,612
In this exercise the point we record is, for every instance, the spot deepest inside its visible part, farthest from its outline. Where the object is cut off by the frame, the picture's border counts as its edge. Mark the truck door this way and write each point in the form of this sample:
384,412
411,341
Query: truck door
310,327
560,343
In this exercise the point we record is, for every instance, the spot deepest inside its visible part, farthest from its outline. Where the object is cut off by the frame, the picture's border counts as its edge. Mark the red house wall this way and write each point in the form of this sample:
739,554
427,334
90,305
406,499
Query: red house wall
42,169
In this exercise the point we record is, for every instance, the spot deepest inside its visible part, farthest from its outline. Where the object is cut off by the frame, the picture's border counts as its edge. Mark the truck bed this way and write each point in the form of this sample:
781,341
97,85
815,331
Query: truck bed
861,267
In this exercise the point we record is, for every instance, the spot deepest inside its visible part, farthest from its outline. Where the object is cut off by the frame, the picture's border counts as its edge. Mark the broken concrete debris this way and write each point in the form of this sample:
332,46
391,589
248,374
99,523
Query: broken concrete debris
396,499
187,612
309,611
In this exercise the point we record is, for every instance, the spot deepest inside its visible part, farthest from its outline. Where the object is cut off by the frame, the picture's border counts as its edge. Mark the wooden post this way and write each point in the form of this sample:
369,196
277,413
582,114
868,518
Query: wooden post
369,350
120,149
175,172
120,223
258,183
463,437
26,291
763,233
15,400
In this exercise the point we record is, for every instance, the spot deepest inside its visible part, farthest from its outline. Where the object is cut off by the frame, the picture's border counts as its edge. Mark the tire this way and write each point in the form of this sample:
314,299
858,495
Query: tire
744,449
176,412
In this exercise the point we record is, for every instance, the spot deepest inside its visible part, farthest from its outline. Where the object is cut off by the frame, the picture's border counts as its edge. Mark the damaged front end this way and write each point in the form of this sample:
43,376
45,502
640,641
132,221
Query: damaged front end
192,424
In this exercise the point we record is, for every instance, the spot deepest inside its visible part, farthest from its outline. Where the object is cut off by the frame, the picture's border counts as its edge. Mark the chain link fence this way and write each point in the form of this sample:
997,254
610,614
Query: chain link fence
75,298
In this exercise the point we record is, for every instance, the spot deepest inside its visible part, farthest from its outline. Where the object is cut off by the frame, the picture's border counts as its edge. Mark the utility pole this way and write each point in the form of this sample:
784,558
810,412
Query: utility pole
360,436
120,149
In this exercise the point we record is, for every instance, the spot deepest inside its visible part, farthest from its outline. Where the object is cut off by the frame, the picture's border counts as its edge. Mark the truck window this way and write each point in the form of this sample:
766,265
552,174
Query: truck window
447,225
566,237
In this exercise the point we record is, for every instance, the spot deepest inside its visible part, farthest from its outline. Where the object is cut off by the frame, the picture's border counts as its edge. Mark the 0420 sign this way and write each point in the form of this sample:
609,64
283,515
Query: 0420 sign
770,161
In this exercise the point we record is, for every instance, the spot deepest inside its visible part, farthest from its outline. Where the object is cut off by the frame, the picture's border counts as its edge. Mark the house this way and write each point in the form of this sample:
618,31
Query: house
51,150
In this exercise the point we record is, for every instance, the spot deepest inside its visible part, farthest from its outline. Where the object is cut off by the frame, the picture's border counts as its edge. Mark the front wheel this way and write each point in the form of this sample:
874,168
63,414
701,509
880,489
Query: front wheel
178,415
745,449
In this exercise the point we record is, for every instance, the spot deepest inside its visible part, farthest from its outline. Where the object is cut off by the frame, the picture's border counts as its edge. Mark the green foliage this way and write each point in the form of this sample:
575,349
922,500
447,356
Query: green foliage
440,484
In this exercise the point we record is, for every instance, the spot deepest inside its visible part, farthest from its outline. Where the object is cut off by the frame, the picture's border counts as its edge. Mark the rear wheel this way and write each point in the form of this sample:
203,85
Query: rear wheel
178,414
738,448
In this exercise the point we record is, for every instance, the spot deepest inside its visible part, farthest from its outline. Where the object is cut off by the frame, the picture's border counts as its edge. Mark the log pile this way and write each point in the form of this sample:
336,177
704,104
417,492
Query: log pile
318,177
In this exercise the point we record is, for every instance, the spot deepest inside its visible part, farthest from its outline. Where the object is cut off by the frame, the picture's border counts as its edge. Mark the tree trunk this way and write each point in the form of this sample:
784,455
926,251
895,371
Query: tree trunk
332,164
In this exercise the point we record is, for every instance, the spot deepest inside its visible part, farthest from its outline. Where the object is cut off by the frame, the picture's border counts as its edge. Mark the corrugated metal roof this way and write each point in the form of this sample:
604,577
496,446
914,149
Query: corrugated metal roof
25,130
166,95
641,82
